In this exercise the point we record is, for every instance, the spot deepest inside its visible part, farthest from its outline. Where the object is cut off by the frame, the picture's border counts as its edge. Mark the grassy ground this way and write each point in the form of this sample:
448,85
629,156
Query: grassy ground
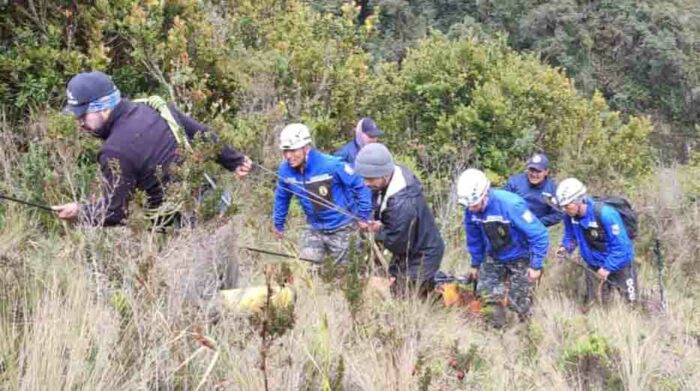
93,309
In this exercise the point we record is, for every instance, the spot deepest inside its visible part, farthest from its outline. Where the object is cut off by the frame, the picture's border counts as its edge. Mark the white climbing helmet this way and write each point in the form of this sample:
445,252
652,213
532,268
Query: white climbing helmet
570,190
294,136
472,186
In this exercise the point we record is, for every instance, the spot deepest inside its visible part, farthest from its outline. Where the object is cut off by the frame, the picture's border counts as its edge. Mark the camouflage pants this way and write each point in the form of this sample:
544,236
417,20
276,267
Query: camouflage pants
492,284
319,244
623,280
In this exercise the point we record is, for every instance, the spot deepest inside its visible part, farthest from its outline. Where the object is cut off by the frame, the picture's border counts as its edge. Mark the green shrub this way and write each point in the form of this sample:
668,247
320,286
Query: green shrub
481,103
591,360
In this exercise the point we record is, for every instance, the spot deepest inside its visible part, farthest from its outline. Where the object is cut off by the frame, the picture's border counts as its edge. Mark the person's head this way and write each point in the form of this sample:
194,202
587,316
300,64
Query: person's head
472,190
537,168
375,165
367,132
295,143
91,98
571,197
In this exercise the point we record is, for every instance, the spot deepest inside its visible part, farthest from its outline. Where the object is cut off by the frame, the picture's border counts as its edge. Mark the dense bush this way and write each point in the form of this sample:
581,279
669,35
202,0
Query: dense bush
248,67
641,55
481,103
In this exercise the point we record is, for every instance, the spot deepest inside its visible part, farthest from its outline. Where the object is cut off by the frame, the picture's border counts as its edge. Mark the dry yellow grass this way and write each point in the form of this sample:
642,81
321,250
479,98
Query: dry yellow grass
92,309
63,329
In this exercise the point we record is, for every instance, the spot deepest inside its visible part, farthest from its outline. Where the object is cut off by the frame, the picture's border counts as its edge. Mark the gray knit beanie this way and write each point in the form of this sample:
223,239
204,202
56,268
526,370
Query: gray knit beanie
374,161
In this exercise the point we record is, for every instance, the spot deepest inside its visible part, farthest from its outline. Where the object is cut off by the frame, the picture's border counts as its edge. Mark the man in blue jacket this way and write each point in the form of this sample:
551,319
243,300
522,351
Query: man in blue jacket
331,195
533,185
505,240
138,150
366,132
599,232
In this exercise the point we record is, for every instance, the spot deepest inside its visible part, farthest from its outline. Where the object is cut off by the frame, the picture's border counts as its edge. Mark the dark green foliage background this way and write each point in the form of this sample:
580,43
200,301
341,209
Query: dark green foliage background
452,83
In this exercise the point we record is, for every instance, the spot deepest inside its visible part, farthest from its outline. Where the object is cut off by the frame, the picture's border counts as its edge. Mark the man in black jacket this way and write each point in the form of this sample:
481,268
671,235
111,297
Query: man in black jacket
402,219
138,146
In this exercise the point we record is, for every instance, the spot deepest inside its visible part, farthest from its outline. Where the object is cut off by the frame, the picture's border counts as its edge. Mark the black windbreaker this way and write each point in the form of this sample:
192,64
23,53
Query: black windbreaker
138,145
409,231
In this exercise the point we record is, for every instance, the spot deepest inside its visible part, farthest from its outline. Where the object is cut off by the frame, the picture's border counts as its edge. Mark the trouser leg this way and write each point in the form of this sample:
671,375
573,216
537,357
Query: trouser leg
625,280
313,247
337,243
593,288
491,288
520,288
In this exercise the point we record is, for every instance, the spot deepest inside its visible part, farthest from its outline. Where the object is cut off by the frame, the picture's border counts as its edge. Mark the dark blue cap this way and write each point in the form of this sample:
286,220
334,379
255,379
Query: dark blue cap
370,128
87,87
538,162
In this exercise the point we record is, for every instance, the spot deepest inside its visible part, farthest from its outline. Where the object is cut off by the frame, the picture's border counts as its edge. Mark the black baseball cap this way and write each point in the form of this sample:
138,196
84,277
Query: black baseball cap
87,87
370,128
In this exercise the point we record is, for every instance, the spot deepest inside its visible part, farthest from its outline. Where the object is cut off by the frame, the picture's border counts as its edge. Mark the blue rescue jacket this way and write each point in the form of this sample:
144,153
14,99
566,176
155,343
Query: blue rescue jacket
505,230
602,243
520,185
328,178
348,152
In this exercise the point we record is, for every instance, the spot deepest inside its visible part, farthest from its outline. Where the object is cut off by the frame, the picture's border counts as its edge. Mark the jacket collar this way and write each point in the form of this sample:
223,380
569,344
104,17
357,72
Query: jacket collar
311,158
538,186
117,112
397,183
490,203
590,213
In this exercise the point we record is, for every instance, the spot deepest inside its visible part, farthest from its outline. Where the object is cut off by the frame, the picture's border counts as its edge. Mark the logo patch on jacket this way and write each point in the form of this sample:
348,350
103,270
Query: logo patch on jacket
349,170
323,190
501,231
528,217
615,229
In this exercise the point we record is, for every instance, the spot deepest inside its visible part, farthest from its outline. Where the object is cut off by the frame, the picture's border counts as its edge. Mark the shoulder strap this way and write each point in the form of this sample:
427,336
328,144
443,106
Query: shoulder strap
159,104
598,212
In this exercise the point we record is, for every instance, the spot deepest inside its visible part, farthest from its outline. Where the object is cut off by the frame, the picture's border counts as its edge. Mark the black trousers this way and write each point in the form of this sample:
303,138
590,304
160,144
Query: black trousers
624,281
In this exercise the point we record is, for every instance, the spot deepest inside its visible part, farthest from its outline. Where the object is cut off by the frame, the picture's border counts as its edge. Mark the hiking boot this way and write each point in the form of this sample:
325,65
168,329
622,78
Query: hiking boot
498,318
524,317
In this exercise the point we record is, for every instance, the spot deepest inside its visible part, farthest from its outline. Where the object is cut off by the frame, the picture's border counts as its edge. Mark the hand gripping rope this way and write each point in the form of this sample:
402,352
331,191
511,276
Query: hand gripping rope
320,200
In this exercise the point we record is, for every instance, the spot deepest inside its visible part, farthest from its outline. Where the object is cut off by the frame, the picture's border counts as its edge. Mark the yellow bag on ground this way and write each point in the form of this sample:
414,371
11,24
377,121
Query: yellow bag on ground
252,299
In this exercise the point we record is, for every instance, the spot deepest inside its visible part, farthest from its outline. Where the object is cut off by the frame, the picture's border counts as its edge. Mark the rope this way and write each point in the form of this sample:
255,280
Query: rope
318,199
17,200
159,104
263,251
332,206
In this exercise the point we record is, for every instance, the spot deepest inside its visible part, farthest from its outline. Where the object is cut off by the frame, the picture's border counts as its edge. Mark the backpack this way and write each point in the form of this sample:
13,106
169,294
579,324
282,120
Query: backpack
623,207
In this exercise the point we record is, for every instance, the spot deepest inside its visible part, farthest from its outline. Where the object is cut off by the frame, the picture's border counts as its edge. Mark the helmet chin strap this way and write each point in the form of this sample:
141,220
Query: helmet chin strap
581,209
306,156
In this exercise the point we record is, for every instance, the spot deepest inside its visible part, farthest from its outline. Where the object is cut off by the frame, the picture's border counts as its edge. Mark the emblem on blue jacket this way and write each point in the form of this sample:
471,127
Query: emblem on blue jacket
615,229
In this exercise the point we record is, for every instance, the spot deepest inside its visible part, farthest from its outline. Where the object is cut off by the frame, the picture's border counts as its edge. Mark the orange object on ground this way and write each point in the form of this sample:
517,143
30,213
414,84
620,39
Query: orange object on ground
453,295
